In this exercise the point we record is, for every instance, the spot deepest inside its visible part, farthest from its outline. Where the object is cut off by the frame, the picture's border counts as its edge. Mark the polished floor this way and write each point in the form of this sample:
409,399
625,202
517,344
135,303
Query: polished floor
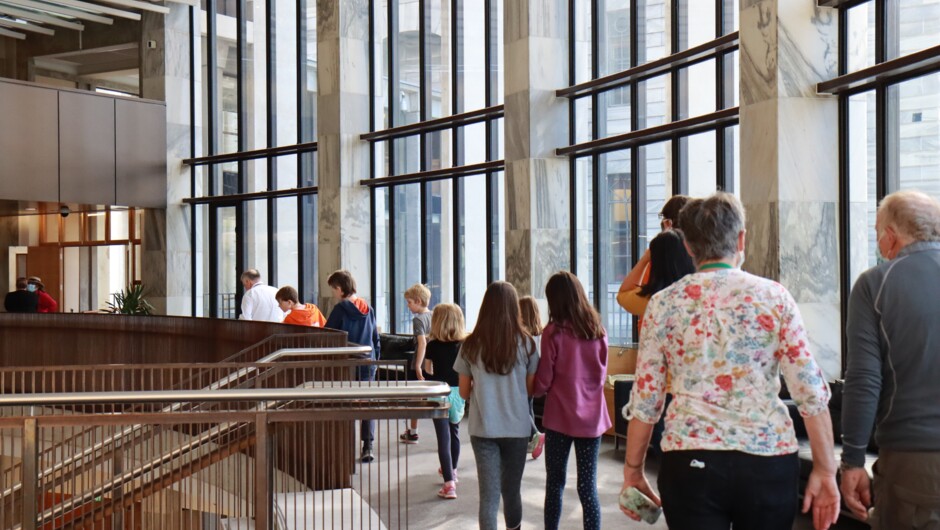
427,511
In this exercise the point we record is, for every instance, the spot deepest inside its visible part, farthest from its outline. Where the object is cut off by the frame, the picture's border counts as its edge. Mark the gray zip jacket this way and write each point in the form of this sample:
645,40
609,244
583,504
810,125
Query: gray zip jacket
892,377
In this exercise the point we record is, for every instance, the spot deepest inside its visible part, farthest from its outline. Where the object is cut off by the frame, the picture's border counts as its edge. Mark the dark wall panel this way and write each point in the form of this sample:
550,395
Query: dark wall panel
141,154
29,148
86,148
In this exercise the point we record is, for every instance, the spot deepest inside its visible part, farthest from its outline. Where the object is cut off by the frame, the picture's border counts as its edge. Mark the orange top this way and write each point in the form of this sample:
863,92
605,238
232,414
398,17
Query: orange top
310,315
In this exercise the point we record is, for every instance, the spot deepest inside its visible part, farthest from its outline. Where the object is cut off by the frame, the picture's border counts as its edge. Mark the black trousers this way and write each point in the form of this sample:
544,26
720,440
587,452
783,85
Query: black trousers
718,490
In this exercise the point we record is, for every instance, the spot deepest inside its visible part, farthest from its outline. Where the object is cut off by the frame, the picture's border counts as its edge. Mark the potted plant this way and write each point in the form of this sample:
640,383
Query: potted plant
130,301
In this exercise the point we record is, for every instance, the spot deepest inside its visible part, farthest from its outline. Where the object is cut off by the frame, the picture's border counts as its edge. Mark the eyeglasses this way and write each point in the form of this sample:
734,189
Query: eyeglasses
661,215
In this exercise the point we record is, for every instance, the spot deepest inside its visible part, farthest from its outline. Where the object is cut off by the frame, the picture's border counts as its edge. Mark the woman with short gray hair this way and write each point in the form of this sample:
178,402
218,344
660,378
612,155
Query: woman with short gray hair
723,337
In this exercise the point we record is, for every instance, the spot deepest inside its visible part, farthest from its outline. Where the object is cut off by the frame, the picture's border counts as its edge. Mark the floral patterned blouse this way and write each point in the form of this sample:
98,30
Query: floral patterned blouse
724,337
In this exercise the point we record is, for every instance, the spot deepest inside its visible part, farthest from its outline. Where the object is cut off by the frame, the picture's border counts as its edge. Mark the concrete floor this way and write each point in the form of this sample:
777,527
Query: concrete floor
427,511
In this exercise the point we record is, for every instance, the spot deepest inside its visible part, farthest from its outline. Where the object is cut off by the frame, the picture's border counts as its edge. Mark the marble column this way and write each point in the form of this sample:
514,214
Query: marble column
166,243
789,159
343,102
537,182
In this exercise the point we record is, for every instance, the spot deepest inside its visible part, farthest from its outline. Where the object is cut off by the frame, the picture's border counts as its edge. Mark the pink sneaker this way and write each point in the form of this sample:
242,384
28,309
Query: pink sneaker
441,473
538,444
448,491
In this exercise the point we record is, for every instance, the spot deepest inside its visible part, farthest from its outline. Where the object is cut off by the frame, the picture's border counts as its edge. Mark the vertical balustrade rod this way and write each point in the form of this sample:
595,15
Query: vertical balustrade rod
30,476
263,474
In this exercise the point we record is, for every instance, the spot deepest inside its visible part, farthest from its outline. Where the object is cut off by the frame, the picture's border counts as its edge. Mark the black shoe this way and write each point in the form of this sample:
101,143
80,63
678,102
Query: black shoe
366,455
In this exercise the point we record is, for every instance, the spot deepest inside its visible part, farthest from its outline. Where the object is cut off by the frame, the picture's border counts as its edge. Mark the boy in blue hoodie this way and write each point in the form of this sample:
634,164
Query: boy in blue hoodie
354,316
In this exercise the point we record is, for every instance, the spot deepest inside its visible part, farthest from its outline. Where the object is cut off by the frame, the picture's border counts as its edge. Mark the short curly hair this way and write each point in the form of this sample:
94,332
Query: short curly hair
711,226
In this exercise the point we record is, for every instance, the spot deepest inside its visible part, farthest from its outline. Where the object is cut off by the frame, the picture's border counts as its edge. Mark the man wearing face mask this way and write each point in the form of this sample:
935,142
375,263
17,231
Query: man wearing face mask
21,300
893,369
47,304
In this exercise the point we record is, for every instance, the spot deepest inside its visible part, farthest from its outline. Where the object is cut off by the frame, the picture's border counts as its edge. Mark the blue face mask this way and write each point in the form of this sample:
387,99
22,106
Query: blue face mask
879,257
31,288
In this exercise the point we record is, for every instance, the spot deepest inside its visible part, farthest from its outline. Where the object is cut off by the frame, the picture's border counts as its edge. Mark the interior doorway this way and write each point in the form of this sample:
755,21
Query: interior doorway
84,259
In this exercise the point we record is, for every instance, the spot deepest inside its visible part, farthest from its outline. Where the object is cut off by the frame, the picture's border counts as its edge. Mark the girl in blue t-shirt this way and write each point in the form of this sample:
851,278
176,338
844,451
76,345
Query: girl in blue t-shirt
497,364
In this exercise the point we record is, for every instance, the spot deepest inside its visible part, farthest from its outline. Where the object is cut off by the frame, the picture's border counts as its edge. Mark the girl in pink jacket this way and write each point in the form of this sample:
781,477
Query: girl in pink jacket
571,375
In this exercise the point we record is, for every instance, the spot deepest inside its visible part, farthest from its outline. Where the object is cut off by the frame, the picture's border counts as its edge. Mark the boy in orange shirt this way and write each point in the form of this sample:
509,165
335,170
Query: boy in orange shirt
300,314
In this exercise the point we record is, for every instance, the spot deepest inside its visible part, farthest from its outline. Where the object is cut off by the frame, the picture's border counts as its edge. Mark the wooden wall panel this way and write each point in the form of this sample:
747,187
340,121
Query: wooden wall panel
46,262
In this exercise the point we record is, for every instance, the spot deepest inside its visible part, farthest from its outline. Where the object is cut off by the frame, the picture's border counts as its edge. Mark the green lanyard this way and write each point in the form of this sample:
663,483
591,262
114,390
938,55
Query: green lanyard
711,266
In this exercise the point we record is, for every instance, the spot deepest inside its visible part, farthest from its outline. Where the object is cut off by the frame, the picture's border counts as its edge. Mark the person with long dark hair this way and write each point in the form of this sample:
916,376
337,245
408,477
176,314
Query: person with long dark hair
668,220
532,323
571,374
668,262
496,367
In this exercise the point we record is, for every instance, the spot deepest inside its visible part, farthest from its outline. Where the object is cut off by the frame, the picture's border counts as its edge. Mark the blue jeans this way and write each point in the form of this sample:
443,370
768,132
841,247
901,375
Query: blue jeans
500,463
557,449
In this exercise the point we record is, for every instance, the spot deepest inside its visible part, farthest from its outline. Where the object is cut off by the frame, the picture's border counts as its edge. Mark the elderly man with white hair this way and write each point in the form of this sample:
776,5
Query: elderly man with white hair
892,378
259,301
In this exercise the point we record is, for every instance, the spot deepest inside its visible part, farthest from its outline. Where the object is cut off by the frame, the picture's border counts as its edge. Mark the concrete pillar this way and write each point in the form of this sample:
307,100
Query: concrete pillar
166,243
789,159
342,158
537,182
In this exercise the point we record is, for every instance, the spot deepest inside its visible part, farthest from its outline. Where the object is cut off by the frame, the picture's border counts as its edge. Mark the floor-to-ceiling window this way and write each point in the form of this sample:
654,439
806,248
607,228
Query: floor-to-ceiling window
437,169
889,97
254,149
653,107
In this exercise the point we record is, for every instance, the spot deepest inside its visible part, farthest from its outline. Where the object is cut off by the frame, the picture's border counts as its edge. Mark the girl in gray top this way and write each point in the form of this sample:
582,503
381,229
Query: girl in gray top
497,365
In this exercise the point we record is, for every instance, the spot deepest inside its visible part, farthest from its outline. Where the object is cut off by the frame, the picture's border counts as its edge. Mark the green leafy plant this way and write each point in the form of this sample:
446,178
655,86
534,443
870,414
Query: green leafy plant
130,301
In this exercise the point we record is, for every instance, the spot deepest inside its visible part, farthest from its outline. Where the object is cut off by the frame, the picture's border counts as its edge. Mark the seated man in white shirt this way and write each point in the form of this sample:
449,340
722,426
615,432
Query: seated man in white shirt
258,302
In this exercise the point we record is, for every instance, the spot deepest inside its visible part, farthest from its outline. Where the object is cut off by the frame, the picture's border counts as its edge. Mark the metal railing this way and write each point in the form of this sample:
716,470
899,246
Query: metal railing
280,454
155,378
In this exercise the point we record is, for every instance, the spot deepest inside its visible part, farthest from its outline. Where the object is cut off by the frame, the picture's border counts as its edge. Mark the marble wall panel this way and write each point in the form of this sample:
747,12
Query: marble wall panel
328,25
548,64
355,216
353,19
354,65
329,113
516,79
328,160
759,152
551,193
762,252
328,66
808,149
354,159
807,47
548,129
551,252
516,21
517,139
809,251
823,325
537,182
518,194
519,259
549,18
758,52
165,76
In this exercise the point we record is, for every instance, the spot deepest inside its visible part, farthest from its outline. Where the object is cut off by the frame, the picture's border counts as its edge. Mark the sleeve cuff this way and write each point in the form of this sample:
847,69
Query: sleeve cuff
852,456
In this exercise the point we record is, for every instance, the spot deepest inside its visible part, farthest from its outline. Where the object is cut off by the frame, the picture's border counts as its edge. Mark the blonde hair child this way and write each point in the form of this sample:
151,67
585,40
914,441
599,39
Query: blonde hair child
447,332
